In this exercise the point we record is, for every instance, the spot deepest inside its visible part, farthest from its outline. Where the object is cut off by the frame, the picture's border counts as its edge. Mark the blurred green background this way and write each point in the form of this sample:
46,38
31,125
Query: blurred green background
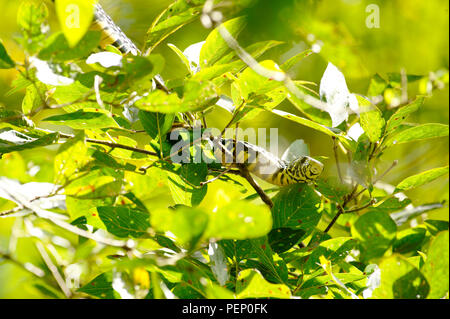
413,36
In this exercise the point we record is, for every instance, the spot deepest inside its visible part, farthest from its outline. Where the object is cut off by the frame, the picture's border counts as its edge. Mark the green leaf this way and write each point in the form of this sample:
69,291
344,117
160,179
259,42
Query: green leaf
401,114
142,68
295,59
421,132
376,232
333,189
196,96
409,240
178,14
255,50
421,179
184,183
250,284
251,82
75,18
436,266
318,285
297,207
186,224
96,183
32,99
371,119
215,46
334,250
84,119
12,140
377,86
181,55
71,157
400,280
56,47
5,61
311,112
240,220
124,222
315,126
156,124
31,18
435,226
283,239
101,287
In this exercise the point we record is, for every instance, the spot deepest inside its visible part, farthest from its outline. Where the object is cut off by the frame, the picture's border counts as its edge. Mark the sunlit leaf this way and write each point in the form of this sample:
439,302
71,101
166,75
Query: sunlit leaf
240,220
86,118
75,18
420,132
215,46
421,179
400,280
252,285
437,265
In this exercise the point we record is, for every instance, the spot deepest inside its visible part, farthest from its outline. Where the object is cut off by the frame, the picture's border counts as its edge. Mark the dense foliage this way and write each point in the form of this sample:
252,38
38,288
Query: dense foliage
94,206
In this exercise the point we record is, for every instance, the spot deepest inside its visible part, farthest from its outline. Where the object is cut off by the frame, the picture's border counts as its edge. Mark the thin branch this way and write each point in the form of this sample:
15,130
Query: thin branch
54,270
112,144
341,208
385,172
246,174
370,203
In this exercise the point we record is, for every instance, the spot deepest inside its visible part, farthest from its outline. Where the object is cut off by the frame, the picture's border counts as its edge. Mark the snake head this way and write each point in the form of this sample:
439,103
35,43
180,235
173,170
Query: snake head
306,168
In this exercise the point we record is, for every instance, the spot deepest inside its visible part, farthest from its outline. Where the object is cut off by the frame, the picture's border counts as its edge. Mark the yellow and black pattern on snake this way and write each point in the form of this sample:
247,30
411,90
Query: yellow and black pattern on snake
111,32
264,164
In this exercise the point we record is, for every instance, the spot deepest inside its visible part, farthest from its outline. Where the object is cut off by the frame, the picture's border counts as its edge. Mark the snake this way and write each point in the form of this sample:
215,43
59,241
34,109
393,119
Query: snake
231,153
264,164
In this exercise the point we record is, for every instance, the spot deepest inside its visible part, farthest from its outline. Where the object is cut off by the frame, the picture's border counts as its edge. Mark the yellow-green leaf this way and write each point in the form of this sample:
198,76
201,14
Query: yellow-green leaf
75,18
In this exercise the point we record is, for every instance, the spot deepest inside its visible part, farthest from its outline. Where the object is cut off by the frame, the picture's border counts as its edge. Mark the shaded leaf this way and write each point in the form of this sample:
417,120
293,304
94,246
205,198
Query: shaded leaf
296,207
124,222
5,61
376,232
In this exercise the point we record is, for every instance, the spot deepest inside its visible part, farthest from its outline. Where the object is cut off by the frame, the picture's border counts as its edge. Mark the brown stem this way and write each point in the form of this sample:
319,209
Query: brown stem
246,174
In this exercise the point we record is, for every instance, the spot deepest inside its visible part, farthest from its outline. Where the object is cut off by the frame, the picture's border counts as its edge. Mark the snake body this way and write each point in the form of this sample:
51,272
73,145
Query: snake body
111,32
230,153
265,165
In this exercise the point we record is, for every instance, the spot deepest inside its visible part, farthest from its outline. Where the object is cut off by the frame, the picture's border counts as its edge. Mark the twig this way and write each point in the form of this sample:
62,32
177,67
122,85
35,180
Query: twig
112,144
341,208
246,174
370,203
215,178
385,172
54,270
